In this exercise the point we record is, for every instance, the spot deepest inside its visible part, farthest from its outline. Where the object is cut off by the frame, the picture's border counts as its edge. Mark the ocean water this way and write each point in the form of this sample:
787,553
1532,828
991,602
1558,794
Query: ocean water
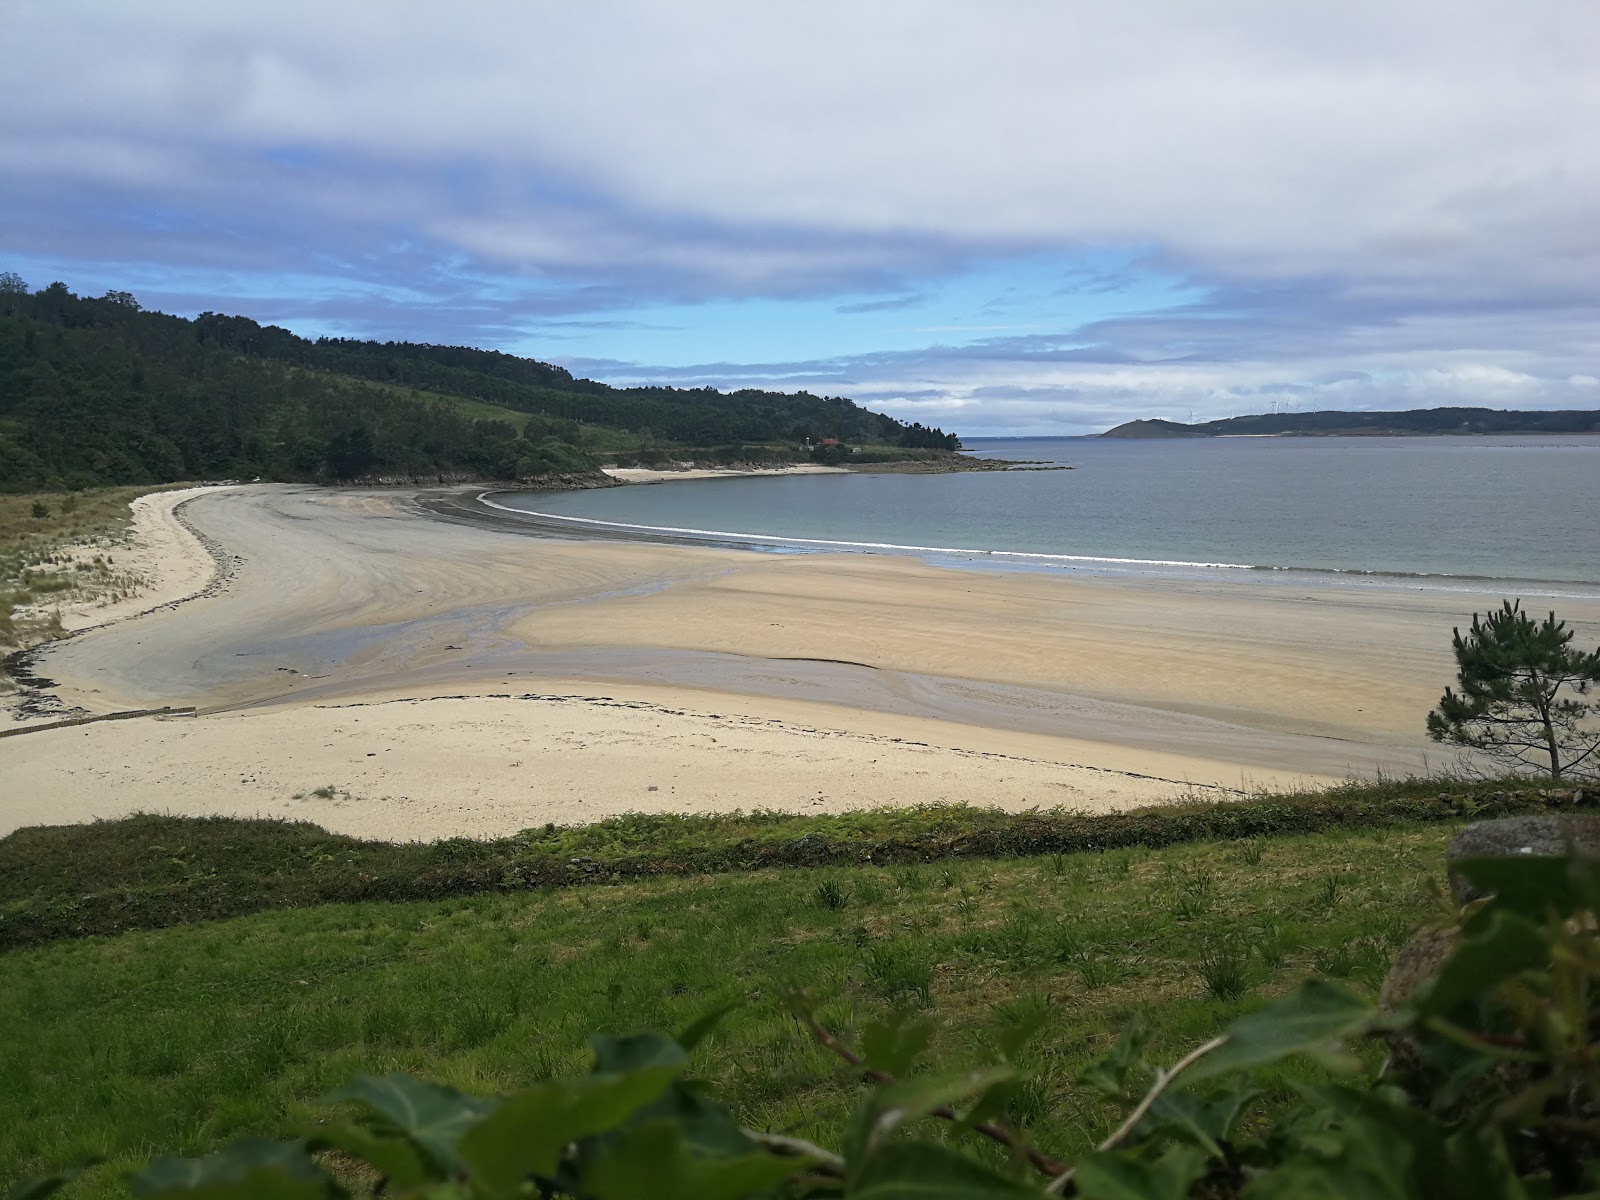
1453,512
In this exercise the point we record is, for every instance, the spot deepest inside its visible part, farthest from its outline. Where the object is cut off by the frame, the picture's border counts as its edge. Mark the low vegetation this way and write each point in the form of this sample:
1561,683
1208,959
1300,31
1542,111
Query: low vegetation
56,547
182,1039
150,871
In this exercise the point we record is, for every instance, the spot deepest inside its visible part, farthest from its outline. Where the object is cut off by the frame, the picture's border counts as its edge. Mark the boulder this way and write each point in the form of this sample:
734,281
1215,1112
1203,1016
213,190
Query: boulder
1417,963
1538,836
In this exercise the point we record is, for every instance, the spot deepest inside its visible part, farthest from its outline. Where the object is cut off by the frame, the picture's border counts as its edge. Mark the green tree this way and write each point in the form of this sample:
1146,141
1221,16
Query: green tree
13,290
1512,672
351,453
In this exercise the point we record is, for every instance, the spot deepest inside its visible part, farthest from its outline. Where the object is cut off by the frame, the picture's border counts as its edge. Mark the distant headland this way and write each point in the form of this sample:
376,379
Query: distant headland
1417,422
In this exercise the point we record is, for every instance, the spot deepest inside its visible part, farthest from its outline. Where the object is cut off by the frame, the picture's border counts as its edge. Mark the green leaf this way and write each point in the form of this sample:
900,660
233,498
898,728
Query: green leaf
1125,1065
705,1124
1205,1122
1304,1179
254,1166
924,1171
527,1134
399,1164
430,1116
43,1186
1306,1021
1506,945
652,1161
1124,1175
892,1046
1374,1143
702,1026
619,1056
1532,885
899,1104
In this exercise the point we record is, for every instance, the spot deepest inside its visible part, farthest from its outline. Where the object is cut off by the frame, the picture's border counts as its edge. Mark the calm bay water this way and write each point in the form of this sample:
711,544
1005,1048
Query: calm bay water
1469,508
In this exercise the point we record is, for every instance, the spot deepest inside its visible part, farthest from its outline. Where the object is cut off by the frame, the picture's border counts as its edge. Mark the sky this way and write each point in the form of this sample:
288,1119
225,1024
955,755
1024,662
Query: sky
1007,217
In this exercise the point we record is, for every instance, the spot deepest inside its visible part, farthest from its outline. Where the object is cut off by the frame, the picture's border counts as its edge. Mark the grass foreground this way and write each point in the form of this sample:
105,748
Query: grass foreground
149,872
181,1039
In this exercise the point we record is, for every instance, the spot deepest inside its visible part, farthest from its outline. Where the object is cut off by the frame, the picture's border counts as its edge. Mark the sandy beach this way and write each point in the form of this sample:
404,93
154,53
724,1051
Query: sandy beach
505,678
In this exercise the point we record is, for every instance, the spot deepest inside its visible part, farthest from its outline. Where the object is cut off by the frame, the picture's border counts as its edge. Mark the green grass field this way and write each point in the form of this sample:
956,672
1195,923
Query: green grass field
184,1038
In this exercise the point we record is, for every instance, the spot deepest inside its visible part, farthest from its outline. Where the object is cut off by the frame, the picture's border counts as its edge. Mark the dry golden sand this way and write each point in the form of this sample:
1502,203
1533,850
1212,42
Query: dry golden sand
684,669
485,767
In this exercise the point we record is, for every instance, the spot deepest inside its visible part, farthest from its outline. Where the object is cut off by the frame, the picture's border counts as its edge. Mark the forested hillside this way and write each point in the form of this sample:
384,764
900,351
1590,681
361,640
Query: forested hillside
1417,422
98,391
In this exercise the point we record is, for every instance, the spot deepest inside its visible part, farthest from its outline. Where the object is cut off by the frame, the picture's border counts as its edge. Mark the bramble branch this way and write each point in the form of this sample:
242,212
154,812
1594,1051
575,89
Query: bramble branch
992,1130
1058,1186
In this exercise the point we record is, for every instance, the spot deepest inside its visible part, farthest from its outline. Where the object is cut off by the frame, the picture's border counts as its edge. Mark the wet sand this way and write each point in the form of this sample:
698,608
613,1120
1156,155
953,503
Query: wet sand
1099,693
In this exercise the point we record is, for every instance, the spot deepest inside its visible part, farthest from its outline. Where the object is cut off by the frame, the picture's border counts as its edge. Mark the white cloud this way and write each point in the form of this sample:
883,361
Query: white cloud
1421,178
1287,138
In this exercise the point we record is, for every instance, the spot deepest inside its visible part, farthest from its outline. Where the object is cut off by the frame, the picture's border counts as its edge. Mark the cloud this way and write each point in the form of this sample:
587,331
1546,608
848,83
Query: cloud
890,305
1365,201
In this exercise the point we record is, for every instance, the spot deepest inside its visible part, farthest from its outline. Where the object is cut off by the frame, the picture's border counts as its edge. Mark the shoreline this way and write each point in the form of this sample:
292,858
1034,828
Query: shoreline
913,466
650,475
174,564
515,680
563,525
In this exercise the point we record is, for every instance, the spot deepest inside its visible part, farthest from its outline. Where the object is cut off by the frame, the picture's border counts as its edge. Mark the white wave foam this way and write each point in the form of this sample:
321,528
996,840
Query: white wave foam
483,498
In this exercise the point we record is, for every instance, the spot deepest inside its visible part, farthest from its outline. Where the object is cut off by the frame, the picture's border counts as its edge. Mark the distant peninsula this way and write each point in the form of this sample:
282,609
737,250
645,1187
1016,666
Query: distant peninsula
1417,422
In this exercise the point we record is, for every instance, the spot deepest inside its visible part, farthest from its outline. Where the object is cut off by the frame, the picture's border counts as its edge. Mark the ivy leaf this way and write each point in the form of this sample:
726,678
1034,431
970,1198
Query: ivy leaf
254,1167
432,1117
1123,1175
1306,1021
1506,945
924,1171
527,1134
652,1161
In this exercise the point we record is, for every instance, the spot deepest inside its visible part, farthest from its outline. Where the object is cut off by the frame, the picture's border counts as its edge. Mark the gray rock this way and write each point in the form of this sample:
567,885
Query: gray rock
1540,836
1417,963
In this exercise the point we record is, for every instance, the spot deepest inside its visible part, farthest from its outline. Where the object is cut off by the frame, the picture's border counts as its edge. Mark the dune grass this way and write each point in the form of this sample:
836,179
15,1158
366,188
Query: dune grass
34,572
184,1038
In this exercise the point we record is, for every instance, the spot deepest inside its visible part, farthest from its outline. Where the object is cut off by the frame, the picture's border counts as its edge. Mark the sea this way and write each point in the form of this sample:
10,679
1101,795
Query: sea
1491,514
